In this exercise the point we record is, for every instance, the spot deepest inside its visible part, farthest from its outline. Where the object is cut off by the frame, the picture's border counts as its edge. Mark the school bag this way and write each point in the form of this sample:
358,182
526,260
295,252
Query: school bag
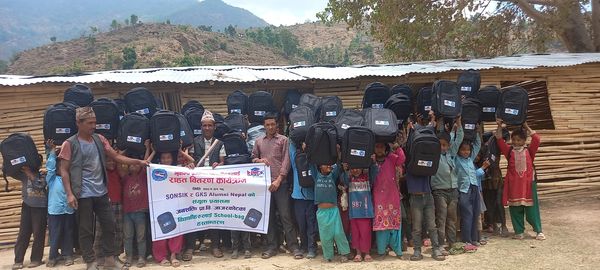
292,100
134,130
220,127
305,177
402,89
192,104
321,144
18,150
186,133
165,131
140,100
471,116
358,146
383,123
254,132
236,122
194,118
424,102
512,107
121,106
376,94
469,82
107,117
330,107
491,151
446,99
348,118
489,97
79,95
236,151
237,102
159,103
401,106
424,152
312,102
259,104
301,119
59,122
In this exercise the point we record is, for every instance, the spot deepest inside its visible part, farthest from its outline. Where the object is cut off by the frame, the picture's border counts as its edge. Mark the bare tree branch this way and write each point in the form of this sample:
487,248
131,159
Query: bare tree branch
528,8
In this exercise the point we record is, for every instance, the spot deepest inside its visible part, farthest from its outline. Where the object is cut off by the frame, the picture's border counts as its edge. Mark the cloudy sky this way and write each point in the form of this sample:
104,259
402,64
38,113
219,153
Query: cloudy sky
284,12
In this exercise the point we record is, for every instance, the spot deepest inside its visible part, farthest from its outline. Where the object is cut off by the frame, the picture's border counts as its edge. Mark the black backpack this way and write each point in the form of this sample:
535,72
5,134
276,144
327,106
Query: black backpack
59,122
489,97
122,107
192,104
469,82
424,102
237,102
236,150
321,144
512,108
134,130
471,116
301,119
236,122
358,146
305,178
140,100
313,102
19,150
383,123
79,95
220,127
165,131
348,118
259,104
424,153
376,94
186,133
491,151
402,89
330,108
292,100
446,99
194,118
401,106
107,117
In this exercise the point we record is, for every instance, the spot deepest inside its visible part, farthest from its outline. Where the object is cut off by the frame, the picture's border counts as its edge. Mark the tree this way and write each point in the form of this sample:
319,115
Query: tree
230,31
168,21
3,66
129,57
133,19
207,28
421,30
289,43
53,39
114,25
127,22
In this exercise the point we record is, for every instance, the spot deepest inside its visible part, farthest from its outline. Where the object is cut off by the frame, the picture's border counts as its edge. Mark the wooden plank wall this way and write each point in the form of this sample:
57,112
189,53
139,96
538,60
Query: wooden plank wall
570,154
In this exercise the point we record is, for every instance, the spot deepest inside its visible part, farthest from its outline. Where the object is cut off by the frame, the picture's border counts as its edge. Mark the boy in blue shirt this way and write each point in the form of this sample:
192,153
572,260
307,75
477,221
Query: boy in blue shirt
328,214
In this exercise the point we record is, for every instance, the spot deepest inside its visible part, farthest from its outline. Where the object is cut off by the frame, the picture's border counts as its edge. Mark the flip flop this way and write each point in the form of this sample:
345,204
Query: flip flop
165,263
540,236
175,263
368,258
268,254
357,258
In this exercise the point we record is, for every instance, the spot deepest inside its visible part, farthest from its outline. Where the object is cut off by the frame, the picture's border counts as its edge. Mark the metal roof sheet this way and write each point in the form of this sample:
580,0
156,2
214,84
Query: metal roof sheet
305,72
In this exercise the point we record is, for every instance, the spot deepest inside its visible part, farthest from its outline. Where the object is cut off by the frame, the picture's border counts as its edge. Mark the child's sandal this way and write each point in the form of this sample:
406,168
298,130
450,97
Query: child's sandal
357,258
165,263
540,236
368,258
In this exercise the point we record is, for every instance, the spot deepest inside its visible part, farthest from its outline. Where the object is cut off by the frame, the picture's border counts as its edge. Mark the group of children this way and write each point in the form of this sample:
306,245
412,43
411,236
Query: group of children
371,199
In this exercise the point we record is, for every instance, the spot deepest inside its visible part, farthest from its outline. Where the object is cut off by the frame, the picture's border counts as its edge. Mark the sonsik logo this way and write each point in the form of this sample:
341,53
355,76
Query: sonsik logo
159,175
256,172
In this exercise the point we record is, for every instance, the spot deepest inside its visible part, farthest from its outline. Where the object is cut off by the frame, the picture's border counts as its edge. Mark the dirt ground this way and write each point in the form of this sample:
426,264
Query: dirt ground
572,227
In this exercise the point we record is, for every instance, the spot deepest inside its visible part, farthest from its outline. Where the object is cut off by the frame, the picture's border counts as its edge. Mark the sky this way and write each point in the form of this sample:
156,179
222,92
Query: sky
286,12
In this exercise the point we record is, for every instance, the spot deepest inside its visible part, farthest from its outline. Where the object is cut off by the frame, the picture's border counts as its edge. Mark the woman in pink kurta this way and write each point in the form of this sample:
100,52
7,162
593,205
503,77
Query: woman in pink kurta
386,199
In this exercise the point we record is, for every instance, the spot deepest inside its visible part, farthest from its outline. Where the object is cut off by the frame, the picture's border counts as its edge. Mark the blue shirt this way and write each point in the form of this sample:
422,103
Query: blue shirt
480,173
359,193
418,184
57,197
465,168
325,186
298,192
445,177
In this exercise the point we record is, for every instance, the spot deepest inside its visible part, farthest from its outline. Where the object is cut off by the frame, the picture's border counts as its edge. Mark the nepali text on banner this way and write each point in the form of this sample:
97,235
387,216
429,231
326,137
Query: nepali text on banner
233,197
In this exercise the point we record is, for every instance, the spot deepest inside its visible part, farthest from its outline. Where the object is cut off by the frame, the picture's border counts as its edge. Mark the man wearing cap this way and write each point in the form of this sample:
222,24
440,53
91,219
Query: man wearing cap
215,158
84,178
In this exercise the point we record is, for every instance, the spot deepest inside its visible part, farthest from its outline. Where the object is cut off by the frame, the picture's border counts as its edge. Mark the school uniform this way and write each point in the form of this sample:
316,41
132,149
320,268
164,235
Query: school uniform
61,217
469,196
34,211
304,208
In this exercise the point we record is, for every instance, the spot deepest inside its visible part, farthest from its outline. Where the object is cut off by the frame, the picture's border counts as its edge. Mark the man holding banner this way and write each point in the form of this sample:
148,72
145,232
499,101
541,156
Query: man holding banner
272,150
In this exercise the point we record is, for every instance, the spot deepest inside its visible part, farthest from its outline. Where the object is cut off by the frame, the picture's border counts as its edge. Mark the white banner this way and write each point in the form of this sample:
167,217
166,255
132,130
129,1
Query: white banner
234,197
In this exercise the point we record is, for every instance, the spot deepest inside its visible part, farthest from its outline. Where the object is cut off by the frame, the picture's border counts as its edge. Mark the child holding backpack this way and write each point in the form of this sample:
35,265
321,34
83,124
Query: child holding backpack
34,213
520,187
359,182
61,217
328,214
469,198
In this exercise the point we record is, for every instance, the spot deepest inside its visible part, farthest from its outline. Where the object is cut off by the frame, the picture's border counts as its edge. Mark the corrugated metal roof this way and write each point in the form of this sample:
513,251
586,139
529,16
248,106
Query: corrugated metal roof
304,72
